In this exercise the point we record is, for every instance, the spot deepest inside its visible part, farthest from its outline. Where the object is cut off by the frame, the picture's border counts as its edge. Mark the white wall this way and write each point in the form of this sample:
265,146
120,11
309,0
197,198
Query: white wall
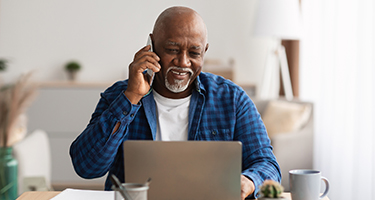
103,35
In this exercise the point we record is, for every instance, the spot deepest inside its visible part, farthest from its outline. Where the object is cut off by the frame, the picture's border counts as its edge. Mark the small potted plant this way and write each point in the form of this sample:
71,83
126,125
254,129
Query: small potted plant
15,98
3,65
72,68
271,190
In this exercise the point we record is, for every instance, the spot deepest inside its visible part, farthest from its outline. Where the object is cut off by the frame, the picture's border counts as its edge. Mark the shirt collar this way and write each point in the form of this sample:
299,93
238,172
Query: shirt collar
198,85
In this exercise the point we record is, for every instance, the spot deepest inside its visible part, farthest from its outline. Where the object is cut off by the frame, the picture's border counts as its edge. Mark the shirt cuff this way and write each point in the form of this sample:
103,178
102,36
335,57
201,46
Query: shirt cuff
257,180
123,109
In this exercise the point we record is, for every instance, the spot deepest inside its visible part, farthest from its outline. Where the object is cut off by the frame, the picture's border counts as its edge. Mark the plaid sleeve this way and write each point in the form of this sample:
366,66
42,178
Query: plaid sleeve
258,161
94,150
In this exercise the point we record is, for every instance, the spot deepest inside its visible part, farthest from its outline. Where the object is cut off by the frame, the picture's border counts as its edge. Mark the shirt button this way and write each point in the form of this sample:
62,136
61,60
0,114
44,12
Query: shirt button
132,115
213,132
125,113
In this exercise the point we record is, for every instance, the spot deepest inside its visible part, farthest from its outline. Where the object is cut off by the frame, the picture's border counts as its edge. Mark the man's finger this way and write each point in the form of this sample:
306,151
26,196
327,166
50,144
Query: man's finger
143,50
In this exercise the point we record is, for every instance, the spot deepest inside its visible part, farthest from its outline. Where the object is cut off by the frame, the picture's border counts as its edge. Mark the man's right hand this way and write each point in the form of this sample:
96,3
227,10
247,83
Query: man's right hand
138,84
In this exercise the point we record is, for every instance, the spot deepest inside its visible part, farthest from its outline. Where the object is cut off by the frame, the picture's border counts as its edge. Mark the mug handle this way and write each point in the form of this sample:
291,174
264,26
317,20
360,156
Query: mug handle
327,188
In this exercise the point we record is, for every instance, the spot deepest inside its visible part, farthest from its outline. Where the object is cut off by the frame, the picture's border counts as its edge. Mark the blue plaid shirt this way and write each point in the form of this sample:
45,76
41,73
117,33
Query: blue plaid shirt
219,110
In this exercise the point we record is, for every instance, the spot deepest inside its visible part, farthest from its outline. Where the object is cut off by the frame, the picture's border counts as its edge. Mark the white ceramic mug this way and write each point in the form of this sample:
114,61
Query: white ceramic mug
305,184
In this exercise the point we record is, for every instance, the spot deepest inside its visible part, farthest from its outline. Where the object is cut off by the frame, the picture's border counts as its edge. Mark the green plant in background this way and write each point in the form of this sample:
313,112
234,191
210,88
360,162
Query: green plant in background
3,64
72,66
271,189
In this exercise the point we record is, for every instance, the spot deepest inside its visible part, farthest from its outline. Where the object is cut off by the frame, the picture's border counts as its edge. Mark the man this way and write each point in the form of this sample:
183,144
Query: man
182,104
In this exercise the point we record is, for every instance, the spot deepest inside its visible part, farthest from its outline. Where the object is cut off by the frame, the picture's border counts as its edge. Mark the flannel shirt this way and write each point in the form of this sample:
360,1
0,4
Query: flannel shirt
219,110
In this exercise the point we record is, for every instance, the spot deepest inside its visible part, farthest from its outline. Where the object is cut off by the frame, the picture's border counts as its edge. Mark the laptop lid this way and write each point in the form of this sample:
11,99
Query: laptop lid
185,170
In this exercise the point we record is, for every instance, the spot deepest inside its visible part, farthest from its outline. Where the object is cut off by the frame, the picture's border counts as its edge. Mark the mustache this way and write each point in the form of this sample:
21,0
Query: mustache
181,69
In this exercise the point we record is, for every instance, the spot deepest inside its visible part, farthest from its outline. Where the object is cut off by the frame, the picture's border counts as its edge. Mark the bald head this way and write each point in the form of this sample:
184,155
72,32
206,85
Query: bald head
180,40
179,17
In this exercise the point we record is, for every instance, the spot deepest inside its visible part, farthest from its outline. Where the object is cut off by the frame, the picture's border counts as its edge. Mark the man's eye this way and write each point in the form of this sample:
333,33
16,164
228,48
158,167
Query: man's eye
172,50
195,53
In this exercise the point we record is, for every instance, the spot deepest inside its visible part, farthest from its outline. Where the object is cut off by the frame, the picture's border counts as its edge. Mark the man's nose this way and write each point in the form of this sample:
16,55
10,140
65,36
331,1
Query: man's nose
182,60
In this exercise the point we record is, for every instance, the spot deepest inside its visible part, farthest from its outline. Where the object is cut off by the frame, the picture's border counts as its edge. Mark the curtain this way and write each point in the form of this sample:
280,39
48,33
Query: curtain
337,73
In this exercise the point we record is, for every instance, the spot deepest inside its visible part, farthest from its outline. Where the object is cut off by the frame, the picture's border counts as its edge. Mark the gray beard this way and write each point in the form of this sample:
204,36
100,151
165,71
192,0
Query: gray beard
178,85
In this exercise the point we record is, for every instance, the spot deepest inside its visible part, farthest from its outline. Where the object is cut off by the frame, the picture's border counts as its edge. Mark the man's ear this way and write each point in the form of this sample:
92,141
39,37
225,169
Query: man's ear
207,45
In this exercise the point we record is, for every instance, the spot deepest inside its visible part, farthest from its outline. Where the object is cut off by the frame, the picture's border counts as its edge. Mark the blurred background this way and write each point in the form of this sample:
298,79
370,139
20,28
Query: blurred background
330,64
104,36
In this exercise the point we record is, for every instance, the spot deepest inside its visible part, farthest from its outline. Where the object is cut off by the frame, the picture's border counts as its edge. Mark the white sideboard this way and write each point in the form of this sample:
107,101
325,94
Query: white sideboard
63,109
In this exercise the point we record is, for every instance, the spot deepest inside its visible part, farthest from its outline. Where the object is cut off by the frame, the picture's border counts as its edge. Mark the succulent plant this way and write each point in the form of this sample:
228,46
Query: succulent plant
271,189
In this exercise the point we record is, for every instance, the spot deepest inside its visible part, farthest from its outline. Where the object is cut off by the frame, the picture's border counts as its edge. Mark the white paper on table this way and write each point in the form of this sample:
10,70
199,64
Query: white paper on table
74,194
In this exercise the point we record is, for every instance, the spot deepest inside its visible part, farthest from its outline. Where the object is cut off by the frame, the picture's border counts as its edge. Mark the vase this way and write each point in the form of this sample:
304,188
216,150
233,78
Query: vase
8,174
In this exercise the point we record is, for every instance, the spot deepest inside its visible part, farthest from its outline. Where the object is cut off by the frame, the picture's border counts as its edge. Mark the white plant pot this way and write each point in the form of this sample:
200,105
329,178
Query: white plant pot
72,75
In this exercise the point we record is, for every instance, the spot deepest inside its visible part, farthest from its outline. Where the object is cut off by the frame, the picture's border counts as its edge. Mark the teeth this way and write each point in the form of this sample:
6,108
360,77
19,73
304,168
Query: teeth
182,73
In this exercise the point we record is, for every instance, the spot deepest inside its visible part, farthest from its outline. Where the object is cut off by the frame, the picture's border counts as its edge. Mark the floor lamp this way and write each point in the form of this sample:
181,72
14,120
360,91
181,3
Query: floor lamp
279,19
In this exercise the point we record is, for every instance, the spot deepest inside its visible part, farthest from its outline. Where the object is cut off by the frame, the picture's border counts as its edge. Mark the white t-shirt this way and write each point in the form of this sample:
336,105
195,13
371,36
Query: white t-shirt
172,117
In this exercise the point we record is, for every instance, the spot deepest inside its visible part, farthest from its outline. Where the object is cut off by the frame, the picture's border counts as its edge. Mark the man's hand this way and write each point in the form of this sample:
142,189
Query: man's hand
247,187
138,84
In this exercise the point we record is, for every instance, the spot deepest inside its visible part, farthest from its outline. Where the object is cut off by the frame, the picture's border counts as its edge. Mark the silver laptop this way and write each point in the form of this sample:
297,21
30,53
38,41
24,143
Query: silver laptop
185,170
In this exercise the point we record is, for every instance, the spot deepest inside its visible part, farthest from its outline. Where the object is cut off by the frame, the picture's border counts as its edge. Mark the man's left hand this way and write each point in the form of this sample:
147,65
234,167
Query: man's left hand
247,187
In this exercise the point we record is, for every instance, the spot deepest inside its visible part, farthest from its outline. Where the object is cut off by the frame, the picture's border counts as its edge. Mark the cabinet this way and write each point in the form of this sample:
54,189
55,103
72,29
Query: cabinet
63,109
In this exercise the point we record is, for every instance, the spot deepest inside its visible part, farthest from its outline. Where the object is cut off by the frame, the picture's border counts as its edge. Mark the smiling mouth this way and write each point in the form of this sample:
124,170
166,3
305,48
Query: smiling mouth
179,73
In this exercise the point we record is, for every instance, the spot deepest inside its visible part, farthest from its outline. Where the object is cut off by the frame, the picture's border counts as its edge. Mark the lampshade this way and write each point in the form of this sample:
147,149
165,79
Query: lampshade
278,18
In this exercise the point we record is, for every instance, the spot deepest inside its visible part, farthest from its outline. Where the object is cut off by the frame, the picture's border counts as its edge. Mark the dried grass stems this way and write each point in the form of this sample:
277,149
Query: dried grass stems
14,100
